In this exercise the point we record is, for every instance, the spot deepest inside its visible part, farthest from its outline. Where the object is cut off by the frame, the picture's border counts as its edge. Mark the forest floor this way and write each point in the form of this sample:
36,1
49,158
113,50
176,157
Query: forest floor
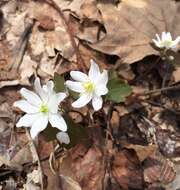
133,141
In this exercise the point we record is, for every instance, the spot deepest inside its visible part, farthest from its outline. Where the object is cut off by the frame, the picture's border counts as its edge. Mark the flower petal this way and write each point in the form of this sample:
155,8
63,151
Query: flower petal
175,42
75,86
27,120
30,96
97,103
82,101
103,78
78,76
94,70
61,96
168,36
49,87
156,43
158,38
39,125
163,37
53,103
40,90
101,90
26,107
63,137
57,121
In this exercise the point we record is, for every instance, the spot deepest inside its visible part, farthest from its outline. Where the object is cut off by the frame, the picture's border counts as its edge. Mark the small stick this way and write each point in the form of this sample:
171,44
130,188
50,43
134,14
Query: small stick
158,90
34,150
107,157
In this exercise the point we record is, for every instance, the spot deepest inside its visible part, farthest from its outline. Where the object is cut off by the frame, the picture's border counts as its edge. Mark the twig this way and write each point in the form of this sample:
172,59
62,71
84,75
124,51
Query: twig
106,158
109,115
158,90
57,155
70,33
55,167
34,150
166,75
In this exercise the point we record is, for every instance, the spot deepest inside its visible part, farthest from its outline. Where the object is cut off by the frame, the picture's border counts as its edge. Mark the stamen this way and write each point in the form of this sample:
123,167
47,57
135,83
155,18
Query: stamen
44,108
89,86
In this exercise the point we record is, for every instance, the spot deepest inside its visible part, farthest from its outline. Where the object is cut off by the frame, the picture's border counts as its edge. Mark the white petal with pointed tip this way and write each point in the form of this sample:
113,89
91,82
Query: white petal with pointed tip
175,42
27,120
39,125
30,96
156,43
78,76
168,36
101,90
61,96
103,78
25,106
97,103
158,38
75,86
82,101
93,71
40,91
53,104
163,36
50,87
57,121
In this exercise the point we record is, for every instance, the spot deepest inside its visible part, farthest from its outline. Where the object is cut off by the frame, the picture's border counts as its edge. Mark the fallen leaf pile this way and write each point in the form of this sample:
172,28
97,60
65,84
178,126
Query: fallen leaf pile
133,142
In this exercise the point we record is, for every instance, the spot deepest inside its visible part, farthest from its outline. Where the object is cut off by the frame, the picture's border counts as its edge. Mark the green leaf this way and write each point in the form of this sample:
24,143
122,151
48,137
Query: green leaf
118,90
76,132
75,95
59,83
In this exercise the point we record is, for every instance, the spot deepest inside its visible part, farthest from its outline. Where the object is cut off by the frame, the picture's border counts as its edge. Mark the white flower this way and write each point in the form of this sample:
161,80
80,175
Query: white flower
41,108
166,41
90,87
63,137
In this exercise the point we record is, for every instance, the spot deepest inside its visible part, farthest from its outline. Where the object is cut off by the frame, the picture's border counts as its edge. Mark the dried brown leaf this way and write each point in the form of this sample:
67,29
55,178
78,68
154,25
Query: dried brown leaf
55,40
131,26
86,167
176,183
126,169
176,74
69,183
143,151
89,170
158,169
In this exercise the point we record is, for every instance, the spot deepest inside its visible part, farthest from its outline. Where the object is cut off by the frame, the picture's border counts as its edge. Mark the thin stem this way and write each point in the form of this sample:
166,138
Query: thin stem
158,90
34,152
107,157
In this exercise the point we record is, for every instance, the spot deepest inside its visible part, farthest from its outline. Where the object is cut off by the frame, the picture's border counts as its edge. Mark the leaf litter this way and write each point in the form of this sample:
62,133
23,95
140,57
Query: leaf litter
133,142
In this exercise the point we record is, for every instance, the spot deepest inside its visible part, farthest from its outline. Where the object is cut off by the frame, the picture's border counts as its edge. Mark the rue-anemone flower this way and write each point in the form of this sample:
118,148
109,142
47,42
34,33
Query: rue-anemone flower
90,87
40,108
166,41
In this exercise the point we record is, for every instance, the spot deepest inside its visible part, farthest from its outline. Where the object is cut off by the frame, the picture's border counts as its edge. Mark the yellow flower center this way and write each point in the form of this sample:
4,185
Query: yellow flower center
44,108
89,86
167,43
